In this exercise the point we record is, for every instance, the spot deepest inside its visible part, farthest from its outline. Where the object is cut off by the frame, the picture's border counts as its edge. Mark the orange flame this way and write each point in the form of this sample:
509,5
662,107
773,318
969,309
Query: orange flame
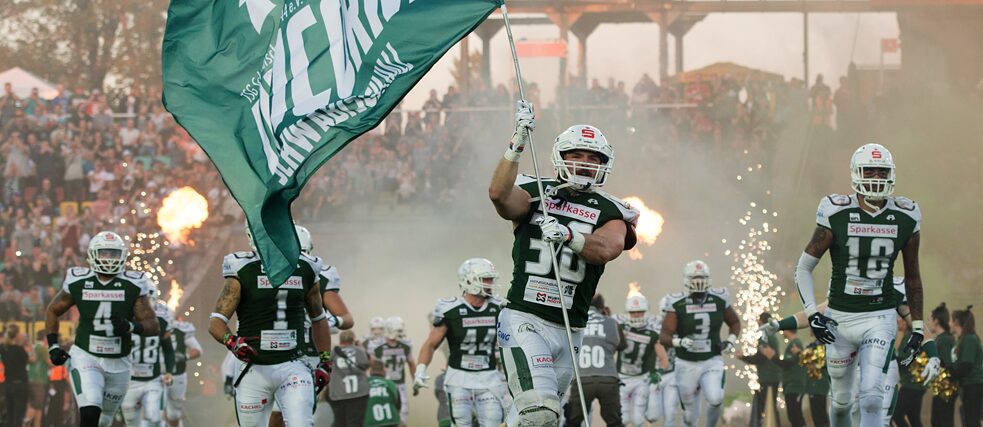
174,295
649,226
634,289
181,211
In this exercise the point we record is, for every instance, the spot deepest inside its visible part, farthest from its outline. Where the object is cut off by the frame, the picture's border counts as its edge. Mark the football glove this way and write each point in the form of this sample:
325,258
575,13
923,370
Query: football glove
240,348
931,370
57,355
914,345
122,326
322,374
421,379
769,329
729,345
655,376
525,123
685,343
823,328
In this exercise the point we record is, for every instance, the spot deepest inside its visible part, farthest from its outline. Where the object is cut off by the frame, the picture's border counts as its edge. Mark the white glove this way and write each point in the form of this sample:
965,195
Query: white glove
421,379
525,123
931,370
729,345
552,230
685,343
769,328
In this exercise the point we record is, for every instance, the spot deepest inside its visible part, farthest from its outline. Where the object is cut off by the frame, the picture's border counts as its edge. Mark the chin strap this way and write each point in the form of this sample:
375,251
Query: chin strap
875,208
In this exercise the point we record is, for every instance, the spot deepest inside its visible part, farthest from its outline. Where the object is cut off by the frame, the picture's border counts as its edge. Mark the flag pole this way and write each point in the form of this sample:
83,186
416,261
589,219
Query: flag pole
542,207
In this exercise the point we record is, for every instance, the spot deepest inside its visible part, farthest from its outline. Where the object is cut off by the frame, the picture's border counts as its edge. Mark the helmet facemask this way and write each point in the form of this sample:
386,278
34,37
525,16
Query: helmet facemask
863,166
637,307
477,276
586,138
697,284
107,253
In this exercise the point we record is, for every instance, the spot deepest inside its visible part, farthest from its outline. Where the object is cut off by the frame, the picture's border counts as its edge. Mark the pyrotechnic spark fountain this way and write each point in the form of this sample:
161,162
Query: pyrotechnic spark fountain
174,295
181,211
649,227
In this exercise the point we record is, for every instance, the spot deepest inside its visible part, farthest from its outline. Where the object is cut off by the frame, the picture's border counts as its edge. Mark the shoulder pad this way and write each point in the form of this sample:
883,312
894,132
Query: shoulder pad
621,318
628,213
330,274
655,323
444,305
75,274
233,262
830,205
141,279
186,327
313,262
721,293
905,203
496,301
672,299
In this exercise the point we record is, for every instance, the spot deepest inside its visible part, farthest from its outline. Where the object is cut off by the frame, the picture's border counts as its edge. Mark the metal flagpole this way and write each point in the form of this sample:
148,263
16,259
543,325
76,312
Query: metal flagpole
542,207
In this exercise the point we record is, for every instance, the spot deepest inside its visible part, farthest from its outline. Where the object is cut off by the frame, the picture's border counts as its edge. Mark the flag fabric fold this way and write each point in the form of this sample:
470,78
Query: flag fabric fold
272,89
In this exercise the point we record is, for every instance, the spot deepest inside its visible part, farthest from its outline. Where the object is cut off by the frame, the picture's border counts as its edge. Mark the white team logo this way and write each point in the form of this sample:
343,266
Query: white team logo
890,217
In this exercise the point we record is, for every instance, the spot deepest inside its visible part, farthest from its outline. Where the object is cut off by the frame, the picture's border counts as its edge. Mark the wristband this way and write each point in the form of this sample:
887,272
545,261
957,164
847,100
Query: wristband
788,324
421,367
732,339
52,340
225,338
677,342
577,240
918,327
324,356
339,321
512,155
219,316
322,316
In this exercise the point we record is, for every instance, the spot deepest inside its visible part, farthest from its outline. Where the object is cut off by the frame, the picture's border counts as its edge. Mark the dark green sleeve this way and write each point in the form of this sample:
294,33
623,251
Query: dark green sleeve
945,344
166,346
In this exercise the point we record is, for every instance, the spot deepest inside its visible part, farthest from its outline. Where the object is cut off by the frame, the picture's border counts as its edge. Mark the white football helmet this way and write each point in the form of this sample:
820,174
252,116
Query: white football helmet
394,328
872,156
477,276
304,237
377,326
696,277
582,137
107,253
249,236
634,304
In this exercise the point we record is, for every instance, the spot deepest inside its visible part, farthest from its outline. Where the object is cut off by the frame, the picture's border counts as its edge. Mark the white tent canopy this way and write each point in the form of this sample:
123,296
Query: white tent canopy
23,81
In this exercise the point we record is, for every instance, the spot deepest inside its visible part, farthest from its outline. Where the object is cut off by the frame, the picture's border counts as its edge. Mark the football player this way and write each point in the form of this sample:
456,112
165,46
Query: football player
695,318
186,348
589,228
663,396
395,353
472,382
113,303
270,338
377,334
864,233
146,389
637,361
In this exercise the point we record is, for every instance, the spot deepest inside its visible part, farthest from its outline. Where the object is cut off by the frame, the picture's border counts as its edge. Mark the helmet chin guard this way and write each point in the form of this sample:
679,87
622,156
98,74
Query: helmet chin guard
872,156
587,138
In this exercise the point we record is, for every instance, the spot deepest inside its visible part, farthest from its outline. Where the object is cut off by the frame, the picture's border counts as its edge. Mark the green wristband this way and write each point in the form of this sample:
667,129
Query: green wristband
788,324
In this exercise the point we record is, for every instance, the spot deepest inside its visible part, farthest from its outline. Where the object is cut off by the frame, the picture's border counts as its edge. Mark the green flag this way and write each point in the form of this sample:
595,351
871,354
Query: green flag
271,89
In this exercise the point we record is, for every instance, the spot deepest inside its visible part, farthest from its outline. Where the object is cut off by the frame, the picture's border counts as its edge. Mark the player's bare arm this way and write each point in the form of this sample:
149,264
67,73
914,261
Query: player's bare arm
61,303
336,306
511,202
320,330
143,313
433,341
661,355
668,329
228,301
605,244
822,239
913,277
622,342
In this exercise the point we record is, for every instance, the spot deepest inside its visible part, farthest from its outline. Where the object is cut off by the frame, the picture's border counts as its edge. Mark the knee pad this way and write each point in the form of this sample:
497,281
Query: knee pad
871,403
89,416
535,410
715,397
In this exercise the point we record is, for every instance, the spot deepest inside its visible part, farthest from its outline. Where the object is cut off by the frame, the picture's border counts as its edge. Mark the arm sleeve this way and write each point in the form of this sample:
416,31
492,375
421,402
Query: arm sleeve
804,283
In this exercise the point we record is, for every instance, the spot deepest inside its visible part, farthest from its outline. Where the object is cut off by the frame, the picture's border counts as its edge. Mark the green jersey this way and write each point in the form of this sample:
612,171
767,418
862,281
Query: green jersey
98,302
969,350
183,337
470,332
382,409
534,288
146,355
638,357
699,316
272,317
793,375
394,357
864,248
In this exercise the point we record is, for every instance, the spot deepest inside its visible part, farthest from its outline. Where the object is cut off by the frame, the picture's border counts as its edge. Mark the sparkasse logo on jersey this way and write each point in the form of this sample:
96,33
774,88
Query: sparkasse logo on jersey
701,308
102,295
478,322
640,338
574,210
872,230
294,282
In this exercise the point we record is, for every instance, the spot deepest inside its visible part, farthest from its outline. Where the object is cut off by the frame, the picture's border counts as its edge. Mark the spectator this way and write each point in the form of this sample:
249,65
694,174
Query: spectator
8,105
793,378
942,410
16,355
908,411
37,373
348,390
769,374
968,365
